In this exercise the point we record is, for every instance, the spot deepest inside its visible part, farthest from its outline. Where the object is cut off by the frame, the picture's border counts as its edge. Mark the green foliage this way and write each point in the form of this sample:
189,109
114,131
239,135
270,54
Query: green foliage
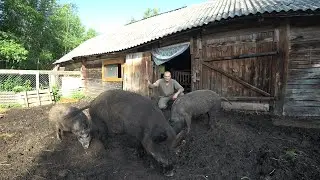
78,95
12,105
15,84
56,93
11,50
146,14
45,29
151,12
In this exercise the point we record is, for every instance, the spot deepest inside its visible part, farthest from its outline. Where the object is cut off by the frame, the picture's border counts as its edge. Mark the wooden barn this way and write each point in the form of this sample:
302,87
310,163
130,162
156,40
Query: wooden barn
261,54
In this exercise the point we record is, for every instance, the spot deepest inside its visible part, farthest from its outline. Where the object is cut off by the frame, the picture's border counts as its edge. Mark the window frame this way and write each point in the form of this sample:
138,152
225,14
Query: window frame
104,71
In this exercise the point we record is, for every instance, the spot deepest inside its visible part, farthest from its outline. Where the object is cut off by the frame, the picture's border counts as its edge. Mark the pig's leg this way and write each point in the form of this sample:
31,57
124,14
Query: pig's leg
212,121
179,142
209,119
58,132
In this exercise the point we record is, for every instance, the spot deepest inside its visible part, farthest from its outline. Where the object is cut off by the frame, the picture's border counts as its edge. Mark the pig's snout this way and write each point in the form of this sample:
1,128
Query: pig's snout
85,140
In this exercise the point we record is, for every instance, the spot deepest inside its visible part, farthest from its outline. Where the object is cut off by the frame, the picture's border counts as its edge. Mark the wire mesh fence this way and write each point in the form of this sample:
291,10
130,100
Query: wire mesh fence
59,83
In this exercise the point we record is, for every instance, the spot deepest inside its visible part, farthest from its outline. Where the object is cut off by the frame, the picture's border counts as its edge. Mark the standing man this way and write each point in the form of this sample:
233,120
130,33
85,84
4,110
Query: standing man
167,87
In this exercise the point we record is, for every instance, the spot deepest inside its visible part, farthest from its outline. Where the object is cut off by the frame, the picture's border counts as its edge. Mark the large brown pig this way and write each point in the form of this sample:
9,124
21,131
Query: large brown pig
124,112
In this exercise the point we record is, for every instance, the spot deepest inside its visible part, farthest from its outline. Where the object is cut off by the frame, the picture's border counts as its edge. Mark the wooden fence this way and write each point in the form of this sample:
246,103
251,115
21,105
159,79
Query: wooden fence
27,98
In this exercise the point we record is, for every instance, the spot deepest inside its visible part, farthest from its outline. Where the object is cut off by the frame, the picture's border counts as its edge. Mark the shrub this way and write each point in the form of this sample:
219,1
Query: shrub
56,93
78,95
15,84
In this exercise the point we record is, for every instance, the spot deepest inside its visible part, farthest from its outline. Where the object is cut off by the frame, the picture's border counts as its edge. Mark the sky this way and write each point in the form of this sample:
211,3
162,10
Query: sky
104,15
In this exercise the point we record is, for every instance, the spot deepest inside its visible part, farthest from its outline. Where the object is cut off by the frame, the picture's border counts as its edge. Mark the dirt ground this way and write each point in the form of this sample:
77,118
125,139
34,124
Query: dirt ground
240,147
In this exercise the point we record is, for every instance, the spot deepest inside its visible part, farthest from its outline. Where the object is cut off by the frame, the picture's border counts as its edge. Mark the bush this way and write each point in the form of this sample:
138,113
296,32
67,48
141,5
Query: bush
56,93
7,106
78,95
15,84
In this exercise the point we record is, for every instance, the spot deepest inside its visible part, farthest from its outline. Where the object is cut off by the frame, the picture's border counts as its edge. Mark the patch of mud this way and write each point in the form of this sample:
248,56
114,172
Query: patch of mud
239,147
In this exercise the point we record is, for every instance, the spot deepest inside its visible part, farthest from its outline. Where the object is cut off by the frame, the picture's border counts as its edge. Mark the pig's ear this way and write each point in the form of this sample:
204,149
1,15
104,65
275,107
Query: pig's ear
159,135
86,112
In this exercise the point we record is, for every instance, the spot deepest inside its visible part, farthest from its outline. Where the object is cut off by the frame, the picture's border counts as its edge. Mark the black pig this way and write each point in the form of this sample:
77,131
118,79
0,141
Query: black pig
118,112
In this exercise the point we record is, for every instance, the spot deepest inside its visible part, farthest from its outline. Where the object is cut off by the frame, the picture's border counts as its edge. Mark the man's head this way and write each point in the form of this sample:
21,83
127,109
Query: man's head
167,76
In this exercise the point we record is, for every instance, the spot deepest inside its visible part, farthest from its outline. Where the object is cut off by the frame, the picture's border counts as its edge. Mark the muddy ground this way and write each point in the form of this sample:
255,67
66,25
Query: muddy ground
240,147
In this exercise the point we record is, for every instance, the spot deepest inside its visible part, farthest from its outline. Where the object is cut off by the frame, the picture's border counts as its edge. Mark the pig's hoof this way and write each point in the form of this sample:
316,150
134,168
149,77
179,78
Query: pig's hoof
178,151
169,173
183,142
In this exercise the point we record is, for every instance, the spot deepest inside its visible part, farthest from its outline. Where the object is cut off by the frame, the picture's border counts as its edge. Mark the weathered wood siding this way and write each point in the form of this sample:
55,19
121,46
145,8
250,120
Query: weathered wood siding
239,62
303,87
137,67
72,66
94,82
196,59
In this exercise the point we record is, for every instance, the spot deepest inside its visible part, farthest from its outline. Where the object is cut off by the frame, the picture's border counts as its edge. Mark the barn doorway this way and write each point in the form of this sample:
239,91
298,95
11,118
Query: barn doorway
176,59
180,68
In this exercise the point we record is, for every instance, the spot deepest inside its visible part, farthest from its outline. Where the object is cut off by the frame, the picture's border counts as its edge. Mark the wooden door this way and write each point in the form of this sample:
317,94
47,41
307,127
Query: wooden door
136,68
241,67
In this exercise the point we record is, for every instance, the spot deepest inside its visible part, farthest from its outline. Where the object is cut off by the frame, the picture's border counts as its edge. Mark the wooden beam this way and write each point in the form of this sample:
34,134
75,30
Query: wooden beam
244,98
282,66
243,56
237,80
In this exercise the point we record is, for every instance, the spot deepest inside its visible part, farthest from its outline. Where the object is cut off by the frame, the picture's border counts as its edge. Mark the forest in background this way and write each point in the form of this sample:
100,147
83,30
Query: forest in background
35,33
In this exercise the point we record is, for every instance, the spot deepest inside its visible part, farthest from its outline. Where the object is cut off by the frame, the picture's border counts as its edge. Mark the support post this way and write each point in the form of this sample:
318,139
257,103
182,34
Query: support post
282,67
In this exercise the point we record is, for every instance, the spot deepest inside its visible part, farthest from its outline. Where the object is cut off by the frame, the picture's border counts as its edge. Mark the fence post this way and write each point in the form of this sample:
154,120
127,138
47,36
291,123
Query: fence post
37,80
26,98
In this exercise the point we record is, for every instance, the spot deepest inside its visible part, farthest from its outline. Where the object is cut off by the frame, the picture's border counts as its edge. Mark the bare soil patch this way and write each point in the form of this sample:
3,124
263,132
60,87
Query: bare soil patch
240,147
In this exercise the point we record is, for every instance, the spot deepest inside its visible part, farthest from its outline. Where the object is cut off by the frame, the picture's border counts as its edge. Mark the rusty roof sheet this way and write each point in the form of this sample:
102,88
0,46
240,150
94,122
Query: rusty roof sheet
171,22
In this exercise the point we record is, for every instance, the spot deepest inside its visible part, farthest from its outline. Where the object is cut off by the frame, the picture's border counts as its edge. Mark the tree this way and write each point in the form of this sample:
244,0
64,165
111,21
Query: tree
147,13
132,20
90,34
12,51
44,29
150,12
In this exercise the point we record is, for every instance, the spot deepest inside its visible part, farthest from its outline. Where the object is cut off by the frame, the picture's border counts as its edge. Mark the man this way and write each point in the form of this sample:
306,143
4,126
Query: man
167,87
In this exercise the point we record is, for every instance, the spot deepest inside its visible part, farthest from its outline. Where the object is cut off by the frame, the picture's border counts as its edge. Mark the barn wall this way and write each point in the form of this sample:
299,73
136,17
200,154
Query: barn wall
72,66
302,95
94,82
217,63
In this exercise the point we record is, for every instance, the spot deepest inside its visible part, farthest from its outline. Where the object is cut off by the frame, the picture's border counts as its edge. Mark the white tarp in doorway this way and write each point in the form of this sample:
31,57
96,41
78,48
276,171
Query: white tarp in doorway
165,54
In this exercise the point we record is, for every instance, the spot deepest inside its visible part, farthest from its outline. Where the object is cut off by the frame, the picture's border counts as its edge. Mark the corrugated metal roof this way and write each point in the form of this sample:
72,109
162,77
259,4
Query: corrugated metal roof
196,15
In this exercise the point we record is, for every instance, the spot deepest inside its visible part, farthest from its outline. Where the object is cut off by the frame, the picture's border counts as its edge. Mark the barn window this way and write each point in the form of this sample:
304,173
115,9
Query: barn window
112,70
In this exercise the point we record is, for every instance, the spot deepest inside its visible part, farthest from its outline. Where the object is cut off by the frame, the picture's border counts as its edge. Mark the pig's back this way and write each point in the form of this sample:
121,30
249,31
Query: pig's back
196,102
123,110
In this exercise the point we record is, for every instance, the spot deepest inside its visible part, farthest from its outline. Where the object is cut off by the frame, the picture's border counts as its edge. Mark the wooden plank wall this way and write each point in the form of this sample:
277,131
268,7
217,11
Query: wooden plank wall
196,59
94,82
303,86
222,51
135,72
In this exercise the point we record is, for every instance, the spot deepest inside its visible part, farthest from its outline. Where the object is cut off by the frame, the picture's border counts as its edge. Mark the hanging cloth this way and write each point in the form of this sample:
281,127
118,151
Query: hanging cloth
165,54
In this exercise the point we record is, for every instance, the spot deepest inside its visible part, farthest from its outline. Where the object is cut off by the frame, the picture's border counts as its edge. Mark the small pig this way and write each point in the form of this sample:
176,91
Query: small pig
117,112
71,119
191,105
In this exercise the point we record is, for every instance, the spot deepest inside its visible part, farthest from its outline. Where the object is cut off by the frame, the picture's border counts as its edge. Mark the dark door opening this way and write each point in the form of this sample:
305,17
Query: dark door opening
180,68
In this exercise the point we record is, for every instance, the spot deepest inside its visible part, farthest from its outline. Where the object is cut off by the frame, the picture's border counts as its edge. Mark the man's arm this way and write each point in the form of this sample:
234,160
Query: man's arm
155,84
178,87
